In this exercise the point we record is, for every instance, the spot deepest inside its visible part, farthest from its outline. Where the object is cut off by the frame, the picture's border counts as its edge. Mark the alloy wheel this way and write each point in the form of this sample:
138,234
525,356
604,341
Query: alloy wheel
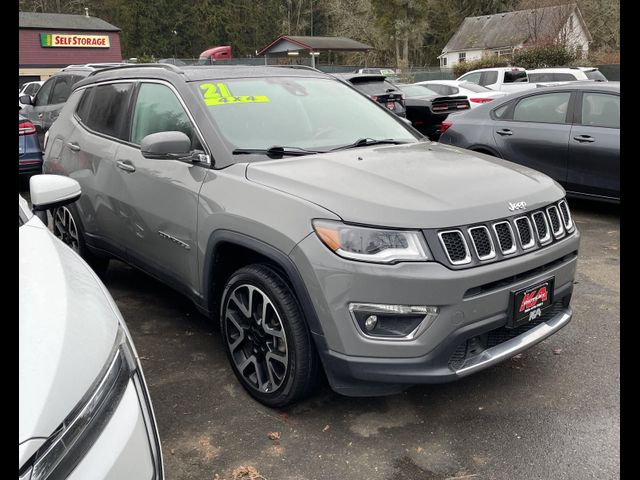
64,227
256,338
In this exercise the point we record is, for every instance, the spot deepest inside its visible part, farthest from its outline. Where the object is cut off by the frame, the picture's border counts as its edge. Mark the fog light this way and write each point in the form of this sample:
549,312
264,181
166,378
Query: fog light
399,322
370,323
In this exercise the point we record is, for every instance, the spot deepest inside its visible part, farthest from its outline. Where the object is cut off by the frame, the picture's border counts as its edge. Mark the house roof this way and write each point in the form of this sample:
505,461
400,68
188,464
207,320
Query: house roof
63,21
511,28
295,43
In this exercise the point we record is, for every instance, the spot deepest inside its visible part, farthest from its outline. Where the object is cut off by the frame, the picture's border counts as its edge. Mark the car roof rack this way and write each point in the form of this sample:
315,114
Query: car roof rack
166,66
93,65
301,67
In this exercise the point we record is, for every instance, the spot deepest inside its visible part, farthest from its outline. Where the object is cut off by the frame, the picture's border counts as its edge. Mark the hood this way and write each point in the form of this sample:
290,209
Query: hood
67,326
418,185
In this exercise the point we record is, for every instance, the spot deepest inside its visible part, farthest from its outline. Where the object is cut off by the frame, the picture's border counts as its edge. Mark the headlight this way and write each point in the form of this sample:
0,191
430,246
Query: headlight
71,441
372,244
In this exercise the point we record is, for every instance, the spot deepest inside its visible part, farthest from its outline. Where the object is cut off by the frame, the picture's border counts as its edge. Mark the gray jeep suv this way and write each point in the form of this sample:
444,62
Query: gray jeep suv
321,231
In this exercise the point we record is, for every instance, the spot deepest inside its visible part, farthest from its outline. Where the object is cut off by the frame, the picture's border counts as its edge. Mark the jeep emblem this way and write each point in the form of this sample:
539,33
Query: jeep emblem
517,206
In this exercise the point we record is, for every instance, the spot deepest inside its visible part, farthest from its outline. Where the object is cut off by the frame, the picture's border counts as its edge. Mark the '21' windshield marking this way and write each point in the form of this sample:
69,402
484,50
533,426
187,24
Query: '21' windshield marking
219,94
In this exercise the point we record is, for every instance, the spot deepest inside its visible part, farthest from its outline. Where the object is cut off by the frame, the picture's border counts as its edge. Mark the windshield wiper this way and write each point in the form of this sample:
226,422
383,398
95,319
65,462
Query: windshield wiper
275,152
365,142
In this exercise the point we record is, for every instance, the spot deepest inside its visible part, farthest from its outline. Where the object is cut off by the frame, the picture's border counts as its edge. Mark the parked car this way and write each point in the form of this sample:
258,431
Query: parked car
477,94
501,79
427,109
569,74
43,108
379,89
29,88
84,409
569,132
29,153
320,230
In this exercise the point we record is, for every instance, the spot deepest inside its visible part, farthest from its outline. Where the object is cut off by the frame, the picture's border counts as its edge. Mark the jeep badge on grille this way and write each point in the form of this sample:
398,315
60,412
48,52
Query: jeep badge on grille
517,206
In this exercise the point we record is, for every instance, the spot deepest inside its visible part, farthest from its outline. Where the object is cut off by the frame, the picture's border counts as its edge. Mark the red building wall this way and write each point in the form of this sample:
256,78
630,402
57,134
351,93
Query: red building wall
32,53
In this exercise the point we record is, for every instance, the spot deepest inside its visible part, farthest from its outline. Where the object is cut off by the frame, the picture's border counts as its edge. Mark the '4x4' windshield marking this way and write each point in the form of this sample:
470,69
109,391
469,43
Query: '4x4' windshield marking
219,94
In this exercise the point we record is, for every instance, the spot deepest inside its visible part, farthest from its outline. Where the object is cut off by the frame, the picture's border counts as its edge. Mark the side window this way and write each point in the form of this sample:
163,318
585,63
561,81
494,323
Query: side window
42,97
500,112
61,89
108,109
600,110
159,110
32,89
546,108
489,78
472,77
515,76
84,105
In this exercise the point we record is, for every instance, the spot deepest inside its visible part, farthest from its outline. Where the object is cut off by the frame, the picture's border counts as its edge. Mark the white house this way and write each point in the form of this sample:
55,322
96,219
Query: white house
502,33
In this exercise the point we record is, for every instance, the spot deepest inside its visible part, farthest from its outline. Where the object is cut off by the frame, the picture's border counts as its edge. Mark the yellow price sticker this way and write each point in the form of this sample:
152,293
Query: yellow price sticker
219,94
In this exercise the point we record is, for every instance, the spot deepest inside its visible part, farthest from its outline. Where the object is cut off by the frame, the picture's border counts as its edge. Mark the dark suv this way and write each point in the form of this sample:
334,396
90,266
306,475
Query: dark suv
379,89
319,229
43,108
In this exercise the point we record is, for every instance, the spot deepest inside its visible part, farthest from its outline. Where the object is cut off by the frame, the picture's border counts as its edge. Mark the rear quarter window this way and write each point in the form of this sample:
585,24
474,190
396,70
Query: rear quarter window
107,112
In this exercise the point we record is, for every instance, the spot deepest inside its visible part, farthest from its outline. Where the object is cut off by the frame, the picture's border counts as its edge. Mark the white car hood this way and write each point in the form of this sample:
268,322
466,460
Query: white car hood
68,325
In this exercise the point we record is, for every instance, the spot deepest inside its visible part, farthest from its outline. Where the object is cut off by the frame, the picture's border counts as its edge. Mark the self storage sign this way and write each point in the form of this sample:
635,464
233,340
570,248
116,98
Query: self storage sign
71,40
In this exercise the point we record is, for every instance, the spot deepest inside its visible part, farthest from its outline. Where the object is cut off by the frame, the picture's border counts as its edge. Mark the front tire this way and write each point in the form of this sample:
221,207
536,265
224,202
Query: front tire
266,338
67,227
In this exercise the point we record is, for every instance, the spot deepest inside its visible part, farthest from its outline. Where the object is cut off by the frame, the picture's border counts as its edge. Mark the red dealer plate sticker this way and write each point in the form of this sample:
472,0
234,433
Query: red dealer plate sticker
529,303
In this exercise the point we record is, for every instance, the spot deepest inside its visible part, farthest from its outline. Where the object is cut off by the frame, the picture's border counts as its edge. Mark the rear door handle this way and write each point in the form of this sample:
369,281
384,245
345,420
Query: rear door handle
73,146
125,165
584,139
504,131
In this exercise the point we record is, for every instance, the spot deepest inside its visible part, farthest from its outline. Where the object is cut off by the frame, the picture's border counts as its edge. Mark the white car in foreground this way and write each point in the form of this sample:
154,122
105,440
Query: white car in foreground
477,94
84,409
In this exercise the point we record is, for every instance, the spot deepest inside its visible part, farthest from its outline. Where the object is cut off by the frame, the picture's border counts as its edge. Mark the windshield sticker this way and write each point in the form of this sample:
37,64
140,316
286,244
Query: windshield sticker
219,94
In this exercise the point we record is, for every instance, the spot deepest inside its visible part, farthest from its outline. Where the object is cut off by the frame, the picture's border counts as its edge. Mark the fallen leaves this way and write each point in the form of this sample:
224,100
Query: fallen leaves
246,473
326,427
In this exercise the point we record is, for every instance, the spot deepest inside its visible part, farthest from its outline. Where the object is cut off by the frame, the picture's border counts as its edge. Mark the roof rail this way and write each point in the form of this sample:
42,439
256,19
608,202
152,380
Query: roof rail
302,67
94,65
166,66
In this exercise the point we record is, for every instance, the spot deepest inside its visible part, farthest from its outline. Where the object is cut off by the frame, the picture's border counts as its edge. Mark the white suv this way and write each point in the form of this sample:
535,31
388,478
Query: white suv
566,74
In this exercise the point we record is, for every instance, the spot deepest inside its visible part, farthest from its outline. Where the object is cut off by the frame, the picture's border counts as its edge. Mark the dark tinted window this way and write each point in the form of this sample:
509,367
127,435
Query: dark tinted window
108,109
546,108
42,97
159,110
441,89
596,75
62,89
515,76
84,105
601,110
551,77
489,78
374,87
32,89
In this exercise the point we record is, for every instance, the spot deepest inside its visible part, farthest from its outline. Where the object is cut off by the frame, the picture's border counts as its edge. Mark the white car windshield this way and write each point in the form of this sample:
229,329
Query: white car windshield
296,112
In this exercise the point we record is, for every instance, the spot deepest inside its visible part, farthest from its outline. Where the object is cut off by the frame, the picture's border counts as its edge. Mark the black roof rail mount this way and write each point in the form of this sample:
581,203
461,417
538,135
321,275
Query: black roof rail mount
166,66
302,67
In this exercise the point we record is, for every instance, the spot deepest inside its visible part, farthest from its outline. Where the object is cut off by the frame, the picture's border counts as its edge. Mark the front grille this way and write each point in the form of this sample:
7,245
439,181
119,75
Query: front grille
542,227
476,345
505,237
524,232
554,217
482,242
455,246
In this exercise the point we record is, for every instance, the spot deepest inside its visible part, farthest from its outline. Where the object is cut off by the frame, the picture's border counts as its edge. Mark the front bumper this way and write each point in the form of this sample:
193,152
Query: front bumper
472,303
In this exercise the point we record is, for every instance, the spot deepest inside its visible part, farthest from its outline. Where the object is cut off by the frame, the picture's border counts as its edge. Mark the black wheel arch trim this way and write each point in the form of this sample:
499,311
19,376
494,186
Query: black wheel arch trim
272,253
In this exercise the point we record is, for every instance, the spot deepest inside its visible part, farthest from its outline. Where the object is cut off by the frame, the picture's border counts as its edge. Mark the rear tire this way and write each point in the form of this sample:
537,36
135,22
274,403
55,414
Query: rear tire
67,227
267,341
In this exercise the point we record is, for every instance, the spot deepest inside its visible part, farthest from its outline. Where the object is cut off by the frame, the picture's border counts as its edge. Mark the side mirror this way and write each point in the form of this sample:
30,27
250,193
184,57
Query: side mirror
166,145
25,99
52,191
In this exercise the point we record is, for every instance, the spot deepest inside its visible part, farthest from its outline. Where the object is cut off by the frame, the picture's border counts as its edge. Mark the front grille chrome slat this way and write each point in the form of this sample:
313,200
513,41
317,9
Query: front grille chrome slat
455,246
525,232
557,227
543,231
506,239
482,243
566,215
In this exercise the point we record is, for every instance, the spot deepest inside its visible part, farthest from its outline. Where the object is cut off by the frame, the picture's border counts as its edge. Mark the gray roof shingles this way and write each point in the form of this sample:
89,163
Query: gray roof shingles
63,21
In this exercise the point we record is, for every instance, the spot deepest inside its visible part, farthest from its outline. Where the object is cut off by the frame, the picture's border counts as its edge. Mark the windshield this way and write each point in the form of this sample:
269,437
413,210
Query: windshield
596,75
418,91
309,113
474,88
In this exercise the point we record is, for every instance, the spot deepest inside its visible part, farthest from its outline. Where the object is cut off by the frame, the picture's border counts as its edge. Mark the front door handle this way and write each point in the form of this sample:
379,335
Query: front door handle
125,165
73,146
40,115
504,131
584,139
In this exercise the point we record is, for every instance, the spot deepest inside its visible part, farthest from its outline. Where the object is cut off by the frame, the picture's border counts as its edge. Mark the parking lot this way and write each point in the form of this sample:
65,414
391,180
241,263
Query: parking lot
551,412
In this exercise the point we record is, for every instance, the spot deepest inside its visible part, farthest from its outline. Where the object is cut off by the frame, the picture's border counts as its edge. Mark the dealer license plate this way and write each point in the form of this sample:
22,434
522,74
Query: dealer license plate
529,303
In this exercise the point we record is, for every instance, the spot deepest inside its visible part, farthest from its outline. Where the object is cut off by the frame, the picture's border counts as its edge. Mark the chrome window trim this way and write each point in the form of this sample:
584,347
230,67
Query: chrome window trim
547,238
561,232
491,254
467,258
513,248
568,225
134,81
531,242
